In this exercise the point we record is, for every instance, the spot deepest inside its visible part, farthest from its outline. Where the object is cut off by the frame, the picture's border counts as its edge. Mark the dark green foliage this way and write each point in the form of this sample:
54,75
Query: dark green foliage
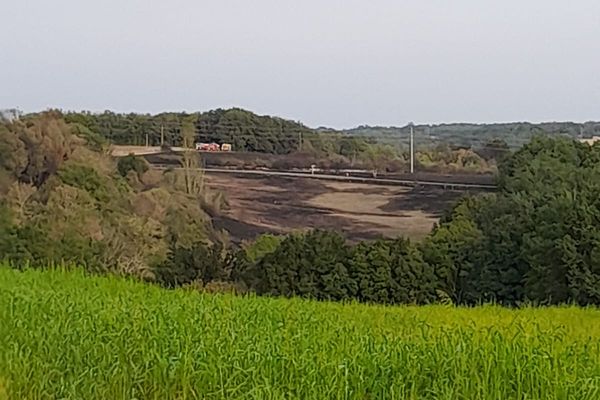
199,263
247,131
131,128
244,130
86,178
536,240
550,192
320,265
250,132
451,249
370,267
7,232
414,279
308,265
31,245
93,139
250,254
132,163
391,271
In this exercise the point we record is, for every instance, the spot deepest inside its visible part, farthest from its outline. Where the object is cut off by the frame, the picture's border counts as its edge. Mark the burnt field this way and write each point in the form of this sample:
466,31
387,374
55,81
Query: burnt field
296,161
362,211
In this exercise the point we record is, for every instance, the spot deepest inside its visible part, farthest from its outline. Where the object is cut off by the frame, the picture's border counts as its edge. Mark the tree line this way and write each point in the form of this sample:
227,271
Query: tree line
249,132
514,134
246,131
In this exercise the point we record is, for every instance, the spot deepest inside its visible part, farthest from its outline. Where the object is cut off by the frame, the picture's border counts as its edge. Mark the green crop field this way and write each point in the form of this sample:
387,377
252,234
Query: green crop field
66,335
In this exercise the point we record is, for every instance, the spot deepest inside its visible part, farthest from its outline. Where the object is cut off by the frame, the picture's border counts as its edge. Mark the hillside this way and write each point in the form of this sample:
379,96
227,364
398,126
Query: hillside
64,199
66,335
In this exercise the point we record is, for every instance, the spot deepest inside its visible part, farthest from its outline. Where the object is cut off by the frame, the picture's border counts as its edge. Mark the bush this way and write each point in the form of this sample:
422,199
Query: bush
197,263
308,265
320,265
250,253
451,249
86,178
132,163
7,232
392,272
263,245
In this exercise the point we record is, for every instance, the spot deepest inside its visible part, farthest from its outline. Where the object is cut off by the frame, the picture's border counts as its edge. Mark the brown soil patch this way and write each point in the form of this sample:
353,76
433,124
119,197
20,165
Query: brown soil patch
259,204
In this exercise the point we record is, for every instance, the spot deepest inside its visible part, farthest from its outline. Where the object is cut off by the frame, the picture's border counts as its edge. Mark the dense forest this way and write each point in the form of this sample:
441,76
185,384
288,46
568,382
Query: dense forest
63,199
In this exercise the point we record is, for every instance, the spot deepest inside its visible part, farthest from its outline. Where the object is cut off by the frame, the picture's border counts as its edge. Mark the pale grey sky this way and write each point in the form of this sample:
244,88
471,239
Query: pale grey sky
338,63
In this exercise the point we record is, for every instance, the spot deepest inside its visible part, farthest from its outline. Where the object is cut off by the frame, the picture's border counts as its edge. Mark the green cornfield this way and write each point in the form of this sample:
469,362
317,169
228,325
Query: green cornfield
65,335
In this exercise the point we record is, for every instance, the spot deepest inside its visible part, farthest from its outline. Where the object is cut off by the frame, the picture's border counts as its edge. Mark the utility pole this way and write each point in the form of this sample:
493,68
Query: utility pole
300,141
162,135
412,149
147,143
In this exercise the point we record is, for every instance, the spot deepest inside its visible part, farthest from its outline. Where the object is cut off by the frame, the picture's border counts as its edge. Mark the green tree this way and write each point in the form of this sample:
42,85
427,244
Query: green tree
250,254
199,263
307,265
132,163
13,154
377,157
414,279
536,240
451,249
8,238
48,142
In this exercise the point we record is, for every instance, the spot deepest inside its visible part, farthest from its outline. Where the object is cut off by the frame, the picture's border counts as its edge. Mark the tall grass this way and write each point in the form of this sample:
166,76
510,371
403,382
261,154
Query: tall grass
65,335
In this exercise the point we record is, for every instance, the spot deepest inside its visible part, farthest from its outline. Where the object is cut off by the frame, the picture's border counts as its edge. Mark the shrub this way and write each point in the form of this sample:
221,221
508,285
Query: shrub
86,178
250,253
197,263
309,264
391,271
132,163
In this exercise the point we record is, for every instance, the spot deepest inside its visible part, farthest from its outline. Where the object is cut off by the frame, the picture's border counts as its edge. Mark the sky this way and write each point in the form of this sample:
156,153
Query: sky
337,63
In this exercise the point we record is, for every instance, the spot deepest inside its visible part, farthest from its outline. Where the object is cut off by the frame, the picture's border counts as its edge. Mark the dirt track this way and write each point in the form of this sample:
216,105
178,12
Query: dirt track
363,211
